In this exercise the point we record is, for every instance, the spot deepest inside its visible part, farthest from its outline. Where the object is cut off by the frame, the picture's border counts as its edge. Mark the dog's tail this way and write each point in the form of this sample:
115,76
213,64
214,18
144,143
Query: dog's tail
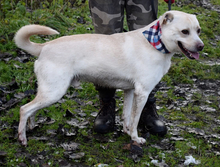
22,38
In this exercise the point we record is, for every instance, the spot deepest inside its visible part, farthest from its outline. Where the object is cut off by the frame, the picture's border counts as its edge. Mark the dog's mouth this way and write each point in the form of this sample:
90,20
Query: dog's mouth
188,53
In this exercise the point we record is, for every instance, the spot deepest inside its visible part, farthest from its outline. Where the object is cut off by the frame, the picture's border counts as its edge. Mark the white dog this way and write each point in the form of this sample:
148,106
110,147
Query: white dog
134,61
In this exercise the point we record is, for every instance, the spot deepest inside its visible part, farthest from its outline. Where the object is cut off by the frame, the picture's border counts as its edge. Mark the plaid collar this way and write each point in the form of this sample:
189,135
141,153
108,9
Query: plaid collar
153,35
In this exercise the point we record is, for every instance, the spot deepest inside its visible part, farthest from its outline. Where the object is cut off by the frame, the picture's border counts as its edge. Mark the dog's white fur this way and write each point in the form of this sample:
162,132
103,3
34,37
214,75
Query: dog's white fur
125,60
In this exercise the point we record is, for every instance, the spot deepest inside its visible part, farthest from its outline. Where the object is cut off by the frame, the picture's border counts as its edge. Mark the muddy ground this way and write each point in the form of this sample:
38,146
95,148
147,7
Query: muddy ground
200,95
207,92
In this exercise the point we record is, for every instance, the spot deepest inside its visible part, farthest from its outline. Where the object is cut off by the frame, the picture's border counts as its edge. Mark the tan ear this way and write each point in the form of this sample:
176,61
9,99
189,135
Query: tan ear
168,17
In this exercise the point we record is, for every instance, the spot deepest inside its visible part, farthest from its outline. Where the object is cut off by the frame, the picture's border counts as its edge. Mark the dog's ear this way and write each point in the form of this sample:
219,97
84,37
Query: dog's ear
168,17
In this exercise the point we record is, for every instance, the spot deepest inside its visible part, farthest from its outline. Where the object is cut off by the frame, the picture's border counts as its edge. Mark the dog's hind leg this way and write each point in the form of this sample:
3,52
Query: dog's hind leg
50,90
27,111
31,121
127,107
41,100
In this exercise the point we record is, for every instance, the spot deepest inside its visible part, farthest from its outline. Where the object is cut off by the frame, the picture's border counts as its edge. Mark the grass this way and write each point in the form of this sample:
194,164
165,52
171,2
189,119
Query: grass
107,150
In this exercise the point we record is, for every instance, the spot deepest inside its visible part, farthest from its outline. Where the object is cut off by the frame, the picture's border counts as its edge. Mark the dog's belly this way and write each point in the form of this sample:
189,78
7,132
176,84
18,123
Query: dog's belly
109,82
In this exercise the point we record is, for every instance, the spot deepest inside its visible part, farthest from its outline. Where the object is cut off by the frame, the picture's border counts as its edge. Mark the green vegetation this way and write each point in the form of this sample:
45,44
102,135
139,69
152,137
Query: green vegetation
73,17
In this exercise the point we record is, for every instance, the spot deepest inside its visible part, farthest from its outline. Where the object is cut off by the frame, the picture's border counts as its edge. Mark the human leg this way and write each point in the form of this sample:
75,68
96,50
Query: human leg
150,121
105,120
107,16
139,14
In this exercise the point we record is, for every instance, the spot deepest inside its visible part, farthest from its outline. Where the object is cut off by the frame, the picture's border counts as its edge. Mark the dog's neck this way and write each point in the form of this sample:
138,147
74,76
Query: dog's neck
153,35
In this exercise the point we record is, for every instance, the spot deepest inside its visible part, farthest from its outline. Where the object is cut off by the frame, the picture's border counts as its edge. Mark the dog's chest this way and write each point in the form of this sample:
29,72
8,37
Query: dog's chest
166,65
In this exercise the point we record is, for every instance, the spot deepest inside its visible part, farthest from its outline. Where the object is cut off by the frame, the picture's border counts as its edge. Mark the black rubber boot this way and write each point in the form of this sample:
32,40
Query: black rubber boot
105,120
150,119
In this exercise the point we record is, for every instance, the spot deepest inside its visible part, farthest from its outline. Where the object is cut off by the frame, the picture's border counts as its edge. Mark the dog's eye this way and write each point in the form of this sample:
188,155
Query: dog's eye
185,32
198,31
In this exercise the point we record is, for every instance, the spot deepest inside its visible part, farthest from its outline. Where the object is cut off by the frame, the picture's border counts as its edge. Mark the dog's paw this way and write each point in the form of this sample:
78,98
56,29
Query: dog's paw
22,139
140,140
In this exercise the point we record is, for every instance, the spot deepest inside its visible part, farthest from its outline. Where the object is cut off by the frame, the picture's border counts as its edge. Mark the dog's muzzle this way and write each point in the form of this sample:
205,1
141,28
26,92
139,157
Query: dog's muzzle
191,54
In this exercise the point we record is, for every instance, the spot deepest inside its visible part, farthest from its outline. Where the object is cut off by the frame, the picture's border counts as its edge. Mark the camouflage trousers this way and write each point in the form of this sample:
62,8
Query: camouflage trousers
108,15
108,18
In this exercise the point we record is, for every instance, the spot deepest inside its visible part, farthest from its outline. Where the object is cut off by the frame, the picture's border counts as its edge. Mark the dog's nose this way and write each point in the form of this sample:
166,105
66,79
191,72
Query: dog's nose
200,46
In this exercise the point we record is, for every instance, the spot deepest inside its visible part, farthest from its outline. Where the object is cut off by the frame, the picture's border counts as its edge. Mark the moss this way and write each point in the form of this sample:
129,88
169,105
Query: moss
63,18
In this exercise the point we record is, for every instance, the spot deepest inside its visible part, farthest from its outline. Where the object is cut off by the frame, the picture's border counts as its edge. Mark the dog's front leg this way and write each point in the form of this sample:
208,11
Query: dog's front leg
140,98
127,107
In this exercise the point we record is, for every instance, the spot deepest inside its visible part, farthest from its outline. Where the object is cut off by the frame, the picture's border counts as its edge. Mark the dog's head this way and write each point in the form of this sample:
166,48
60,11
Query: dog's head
180,33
